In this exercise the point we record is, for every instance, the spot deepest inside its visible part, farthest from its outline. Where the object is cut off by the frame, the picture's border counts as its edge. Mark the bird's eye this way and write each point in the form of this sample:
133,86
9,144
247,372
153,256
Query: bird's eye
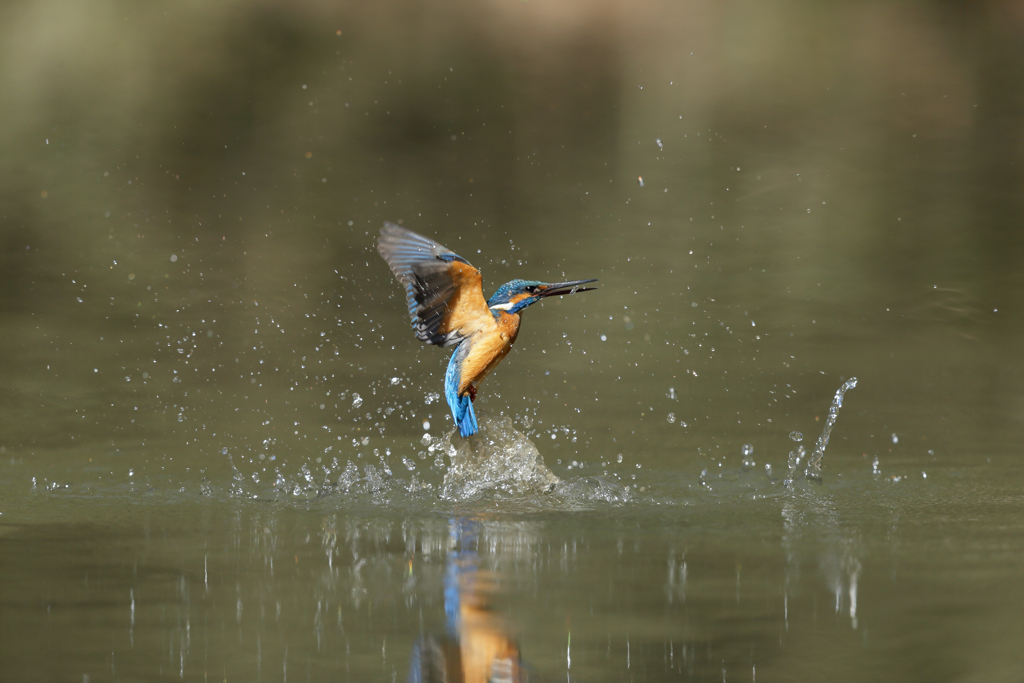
531,289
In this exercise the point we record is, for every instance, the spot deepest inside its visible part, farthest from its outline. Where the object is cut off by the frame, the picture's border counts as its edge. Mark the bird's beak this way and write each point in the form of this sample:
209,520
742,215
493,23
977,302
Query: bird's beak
559,288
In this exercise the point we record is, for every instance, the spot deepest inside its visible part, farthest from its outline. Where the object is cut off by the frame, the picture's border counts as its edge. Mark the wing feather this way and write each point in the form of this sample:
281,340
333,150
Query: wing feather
443,291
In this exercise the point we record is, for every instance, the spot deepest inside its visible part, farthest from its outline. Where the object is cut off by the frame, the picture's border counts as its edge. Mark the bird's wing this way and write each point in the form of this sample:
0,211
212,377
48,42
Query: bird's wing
446,301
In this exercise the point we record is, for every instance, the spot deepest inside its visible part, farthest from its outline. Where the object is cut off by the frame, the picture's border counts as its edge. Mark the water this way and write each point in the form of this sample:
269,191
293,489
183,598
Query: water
814,463
498,457
211,397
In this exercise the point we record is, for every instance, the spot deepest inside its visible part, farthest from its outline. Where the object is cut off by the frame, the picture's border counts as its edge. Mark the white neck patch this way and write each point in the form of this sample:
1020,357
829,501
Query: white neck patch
502,307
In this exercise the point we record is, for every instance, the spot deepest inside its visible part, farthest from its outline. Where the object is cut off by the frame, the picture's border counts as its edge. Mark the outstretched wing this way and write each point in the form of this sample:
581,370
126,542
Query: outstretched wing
446,301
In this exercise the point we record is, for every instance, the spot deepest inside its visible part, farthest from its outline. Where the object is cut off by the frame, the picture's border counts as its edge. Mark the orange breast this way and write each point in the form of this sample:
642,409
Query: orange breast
488,349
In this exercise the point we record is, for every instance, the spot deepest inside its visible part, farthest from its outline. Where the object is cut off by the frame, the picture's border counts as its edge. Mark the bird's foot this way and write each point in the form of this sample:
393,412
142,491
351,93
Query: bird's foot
472,393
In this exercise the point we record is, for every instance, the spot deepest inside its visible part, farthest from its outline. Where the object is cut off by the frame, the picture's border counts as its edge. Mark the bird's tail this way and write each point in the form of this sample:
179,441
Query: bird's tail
465,418
462,406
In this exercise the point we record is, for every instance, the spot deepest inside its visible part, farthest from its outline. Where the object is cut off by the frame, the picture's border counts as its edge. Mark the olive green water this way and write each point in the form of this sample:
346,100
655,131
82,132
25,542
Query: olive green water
212,416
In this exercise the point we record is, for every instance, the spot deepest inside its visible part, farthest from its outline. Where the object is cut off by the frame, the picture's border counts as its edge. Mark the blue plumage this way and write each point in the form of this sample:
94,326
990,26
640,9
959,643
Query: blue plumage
461,406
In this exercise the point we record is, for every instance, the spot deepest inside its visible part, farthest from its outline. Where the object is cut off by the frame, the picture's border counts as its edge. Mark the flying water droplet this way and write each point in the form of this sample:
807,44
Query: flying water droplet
748,451
357,400
796,436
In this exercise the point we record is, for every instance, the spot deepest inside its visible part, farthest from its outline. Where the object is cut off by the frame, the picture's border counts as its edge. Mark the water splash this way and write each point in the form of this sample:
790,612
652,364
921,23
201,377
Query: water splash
498,463
497,457
813,470
795,458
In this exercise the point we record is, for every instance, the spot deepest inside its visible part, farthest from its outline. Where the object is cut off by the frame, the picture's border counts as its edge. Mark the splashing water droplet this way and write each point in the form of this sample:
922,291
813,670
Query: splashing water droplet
796,436
357,400
814,462
498,457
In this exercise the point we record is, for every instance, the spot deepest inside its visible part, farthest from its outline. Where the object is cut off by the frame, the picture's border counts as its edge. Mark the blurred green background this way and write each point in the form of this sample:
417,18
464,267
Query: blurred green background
775,197
191,195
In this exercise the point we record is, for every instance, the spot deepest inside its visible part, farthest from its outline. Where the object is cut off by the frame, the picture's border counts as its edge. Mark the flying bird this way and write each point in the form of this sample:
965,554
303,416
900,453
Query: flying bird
447,308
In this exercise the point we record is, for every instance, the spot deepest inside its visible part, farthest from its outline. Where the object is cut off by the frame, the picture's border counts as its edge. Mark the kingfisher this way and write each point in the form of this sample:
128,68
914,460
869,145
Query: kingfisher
447,307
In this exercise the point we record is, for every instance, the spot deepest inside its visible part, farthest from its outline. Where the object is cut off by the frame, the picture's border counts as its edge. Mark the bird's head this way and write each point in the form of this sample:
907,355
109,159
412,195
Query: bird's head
516,295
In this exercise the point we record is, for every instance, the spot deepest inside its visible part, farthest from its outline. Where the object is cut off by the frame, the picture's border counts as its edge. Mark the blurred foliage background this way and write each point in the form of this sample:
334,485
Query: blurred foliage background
190,193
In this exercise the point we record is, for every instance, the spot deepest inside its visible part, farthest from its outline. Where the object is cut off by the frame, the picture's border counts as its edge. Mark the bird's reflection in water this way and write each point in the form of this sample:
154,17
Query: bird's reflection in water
476,647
